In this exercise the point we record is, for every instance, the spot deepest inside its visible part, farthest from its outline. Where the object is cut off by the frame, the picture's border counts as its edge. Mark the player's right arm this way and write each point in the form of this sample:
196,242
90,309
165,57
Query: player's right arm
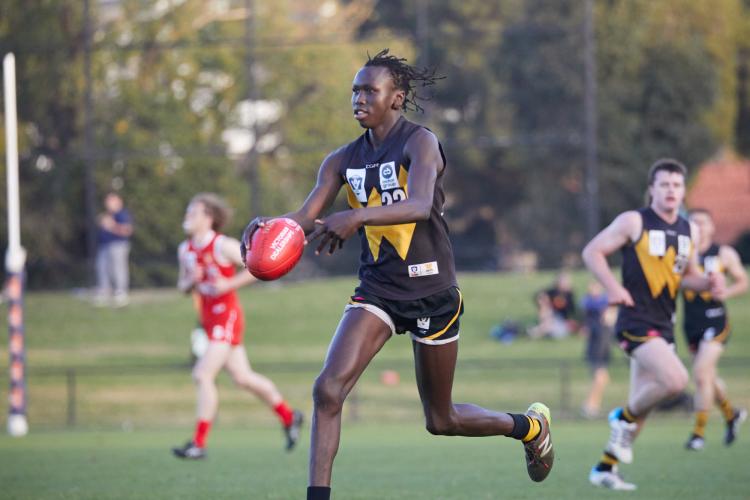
185,275
321,197
625,229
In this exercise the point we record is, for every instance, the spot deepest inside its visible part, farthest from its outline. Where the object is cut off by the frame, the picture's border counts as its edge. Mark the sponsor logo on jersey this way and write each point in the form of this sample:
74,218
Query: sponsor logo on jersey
683,245
711,264
372,165
657,243
425,269
356,179
714,312
388,178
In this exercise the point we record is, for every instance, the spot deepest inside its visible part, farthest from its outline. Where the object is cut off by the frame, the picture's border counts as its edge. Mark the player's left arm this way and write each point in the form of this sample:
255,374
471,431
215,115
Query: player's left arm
229,250
731,261
694,279
426,162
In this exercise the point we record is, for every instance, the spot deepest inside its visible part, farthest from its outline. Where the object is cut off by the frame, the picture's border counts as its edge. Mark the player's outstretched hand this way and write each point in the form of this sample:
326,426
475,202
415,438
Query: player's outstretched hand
247,235
334,230
620,296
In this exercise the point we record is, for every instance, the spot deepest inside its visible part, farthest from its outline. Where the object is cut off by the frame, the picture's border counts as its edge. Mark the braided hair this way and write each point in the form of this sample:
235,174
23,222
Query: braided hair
405,77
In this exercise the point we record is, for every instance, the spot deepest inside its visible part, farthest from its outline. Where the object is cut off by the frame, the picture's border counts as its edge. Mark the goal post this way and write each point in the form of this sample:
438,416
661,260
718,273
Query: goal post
15,260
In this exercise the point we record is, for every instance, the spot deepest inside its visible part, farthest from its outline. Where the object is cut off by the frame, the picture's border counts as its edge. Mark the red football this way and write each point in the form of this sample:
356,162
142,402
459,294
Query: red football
275,249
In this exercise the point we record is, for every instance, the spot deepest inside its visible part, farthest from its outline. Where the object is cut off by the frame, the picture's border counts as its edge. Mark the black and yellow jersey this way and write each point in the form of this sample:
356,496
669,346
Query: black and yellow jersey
702,311
401,261
652,269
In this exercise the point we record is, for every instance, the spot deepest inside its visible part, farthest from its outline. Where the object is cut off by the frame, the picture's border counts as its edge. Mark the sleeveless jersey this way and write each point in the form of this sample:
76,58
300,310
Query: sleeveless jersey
652,269
208,268
701,310
401,261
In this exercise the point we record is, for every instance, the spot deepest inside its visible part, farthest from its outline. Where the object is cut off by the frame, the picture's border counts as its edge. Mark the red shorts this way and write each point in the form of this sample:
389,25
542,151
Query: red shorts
224,324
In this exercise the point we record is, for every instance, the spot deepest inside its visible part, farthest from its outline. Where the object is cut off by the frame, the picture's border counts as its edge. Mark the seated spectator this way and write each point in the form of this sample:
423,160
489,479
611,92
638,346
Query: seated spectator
556,310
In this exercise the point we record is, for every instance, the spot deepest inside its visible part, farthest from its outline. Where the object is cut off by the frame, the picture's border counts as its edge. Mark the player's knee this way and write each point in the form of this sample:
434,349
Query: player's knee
242,379
440,425
201,377
328,394
677,382
703,378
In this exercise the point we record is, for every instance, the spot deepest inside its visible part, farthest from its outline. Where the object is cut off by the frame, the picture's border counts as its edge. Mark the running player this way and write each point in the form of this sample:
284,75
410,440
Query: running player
707,331
393,175
208,261
657,256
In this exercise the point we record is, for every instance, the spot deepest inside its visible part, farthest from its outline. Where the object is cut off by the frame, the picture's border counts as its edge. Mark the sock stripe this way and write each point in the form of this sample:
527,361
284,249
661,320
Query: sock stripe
534,429
628,415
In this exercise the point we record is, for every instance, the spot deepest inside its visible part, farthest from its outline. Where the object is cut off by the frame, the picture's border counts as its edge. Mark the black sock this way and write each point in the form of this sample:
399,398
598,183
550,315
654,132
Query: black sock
521,426
318,493
607,462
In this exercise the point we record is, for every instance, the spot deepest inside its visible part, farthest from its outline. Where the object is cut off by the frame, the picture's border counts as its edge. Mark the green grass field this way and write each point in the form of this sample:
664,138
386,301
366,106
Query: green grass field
134,400
390,461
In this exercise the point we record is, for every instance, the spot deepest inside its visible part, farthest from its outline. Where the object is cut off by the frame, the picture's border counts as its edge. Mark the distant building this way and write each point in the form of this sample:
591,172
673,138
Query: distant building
722,187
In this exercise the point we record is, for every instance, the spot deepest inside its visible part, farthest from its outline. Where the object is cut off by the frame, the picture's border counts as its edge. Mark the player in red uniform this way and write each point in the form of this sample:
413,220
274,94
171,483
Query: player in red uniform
208,261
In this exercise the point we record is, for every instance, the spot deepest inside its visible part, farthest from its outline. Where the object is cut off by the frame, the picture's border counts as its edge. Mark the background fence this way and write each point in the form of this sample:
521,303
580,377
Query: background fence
150,395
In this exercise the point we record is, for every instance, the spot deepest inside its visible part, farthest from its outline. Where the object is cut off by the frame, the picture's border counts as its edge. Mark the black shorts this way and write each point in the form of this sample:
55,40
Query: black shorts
716,331
431,320
633,337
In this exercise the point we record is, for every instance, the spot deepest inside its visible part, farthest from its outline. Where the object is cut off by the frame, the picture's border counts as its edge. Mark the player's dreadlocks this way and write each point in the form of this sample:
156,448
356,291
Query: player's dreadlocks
405,77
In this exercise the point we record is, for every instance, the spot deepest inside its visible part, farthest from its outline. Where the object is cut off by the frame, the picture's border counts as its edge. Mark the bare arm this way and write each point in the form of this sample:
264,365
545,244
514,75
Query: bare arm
424,152
426,162
320,198
185,279
229,249
625,229
694,278
732,263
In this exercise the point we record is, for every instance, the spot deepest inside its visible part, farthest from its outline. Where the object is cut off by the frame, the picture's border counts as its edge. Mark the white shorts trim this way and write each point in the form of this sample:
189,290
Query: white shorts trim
376,311
433,342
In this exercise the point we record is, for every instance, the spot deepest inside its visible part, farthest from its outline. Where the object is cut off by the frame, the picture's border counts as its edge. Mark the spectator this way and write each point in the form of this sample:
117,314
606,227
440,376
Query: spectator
115,227
556,310
599,319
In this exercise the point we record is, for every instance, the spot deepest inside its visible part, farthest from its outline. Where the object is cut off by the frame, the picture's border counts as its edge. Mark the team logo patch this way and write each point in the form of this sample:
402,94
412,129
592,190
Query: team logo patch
426,269
218,332
423,323
356,179
388,178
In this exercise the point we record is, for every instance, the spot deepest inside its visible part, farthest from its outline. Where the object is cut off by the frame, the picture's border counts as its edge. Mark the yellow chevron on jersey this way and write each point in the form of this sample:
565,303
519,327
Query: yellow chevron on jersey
399,235
658,270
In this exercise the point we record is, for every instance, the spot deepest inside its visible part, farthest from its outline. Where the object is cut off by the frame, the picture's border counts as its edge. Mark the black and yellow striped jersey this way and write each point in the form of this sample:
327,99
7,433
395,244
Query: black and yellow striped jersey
701,309
652,269
401,261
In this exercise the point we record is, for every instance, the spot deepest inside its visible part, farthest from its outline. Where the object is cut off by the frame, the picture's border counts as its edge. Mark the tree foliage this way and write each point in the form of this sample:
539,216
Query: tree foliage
175,110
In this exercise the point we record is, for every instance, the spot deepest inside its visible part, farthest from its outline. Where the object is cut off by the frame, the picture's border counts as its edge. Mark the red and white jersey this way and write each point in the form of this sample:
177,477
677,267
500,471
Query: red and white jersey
202,260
